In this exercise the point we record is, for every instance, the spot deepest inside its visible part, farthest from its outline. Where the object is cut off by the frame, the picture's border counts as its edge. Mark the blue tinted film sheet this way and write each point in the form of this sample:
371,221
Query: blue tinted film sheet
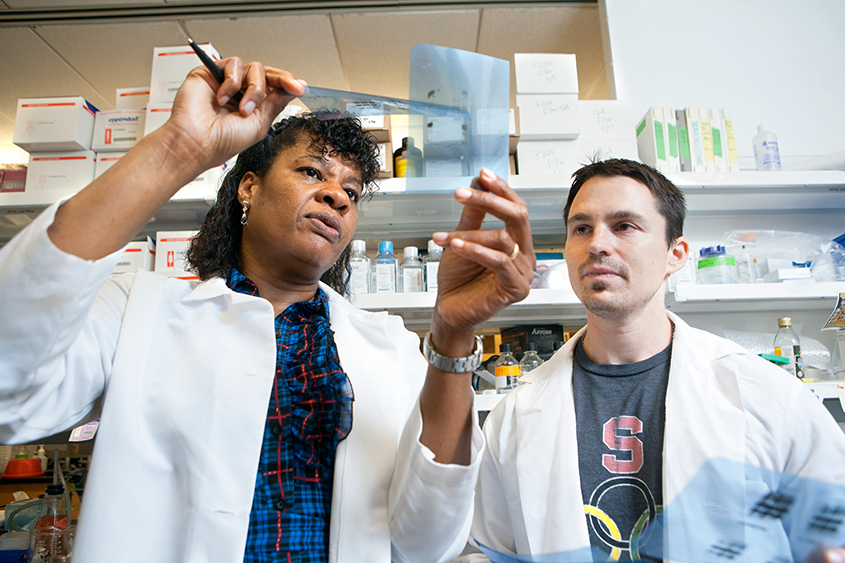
728,513
458,115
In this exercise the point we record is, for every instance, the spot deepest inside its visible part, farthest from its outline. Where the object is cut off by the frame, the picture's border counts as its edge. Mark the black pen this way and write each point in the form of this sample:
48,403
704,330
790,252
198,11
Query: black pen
210,65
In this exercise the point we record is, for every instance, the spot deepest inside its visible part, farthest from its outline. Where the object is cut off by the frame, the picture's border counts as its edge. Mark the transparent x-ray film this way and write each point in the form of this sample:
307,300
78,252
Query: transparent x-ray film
331,104
728,513
451,149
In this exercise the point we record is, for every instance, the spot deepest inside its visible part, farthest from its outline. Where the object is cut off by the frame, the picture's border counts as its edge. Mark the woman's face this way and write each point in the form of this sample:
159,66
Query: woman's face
302,215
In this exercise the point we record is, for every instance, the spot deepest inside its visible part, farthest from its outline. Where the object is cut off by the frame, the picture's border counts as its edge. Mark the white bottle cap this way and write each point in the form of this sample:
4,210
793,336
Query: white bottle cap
411,252
433,247
359,246
760,128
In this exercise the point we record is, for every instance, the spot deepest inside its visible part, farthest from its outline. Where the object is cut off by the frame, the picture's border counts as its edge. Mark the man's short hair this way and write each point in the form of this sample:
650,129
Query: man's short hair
670,200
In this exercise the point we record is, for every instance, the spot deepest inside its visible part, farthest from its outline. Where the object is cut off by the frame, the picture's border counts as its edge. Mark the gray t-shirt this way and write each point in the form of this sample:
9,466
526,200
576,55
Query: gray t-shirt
620,413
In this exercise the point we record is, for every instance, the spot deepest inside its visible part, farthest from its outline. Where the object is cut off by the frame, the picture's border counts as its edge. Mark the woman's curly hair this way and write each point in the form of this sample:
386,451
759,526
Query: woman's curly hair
216,250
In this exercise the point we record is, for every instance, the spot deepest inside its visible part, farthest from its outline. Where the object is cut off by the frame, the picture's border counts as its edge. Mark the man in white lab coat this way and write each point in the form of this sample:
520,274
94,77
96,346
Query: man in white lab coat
639,411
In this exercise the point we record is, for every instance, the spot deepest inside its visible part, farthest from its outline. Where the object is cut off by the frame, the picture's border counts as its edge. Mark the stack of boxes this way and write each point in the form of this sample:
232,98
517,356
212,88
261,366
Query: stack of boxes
118,130
57,134
557,132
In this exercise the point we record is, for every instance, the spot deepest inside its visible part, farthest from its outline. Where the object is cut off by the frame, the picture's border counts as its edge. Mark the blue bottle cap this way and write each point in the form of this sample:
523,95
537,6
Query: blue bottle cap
385,247
712,251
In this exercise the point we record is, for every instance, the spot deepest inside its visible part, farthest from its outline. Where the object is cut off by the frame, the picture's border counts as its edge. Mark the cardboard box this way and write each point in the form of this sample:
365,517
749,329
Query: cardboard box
132,98
548,157
171,247
538,73
513,130
104,161
378,126
66,171
156,115
592,149
203,186
543,337
606,118
171,66
548,116
54,124
385,160
138,255
14,178
118,130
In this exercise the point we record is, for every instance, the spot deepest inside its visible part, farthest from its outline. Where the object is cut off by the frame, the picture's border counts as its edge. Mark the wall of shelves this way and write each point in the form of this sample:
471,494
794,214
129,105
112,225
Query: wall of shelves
805,201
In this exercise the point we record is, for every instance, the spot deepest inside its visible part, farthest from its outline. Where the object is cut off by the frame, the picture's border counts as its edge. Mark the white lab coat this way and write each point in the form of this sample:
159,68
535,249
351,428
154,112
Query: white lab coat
721,402
182,374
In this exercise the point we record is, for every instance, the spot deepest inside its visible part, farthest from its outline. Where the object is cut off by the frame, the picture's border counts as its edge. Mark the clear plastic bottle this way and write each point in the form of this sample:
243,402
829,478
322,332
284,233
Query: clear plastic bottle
51,539
788,345
766,152
360,267
506,369
716,266
530,359
411,270
746,266
385,268
431,264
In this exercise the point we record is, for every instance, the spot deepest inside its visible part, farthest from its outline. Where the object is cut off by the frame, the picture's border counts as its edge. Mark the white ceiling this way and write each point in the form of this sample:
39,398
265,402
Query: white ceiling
362,51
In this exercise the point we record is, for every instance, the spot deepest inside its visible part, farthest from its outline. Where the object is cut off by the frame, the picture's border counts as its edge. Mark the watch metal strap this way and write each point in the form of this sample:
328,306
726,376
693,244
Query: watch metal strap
453,365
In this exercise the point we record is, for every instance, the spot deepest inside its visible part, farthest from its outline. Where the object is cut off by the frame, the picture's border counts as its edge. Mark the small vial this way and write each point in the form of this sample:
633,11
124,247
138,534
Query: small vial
431,265
385,268
411,270
506,369
360,266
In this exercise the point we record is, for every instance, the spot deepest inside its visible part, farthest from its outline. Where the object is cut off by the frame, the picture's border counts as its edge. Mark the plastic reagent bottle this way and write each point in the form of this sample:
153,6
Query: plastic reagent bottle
787,345
766,153
411,270
431,264
50,540
360,267
506,369
386,268
41,454
530,360
716,266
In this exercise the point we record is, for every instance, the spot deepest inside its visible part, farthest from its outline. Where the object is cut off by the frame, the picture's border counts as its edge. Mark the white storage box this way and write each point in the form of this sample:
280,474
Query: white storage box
138,255
118,130
170,67
548,116
602,148
609,119
204,186
54,124
65,171
540,73
132,98
156,116
104,161
171,247
548,157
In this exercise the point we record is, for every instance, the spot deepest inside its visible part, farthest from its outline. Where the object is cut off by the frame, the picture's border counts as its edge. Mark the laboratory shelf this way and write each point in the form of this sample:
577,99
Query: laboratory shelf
754,297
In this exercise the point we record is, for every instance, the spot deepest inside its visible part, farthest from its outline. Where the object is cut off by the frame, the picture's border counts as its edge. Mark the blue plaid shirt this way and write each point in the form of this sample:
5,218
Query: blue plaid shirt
310,412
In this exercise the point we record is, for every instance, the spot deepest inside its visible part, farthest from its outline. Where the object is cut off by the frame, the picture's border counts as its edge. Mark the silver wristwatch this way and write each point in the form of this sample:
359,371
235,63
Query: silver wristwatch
453,365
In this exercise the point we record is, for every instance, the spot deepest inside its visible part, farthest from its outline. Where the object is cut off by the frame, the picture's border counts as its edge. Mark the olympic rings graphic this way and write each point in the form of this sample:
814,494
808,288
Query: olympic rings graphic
609,533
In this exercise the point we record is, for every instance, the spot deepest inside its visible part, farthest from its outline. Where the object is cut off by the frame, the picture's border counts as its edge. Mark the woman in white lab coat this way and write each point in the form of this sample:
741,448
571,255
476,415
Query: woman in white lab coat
182,372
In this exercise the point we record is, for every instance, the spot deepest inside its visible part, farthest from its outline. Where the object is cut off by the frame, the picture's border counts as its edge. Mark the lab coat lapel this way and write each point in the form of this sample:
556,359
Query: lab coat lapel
547,458
704,421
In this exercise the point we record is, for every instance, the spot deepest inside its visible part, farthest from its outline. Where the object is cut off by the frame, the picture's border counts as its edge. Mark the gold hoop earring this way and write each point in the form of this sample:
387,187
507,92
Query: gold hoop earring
245,207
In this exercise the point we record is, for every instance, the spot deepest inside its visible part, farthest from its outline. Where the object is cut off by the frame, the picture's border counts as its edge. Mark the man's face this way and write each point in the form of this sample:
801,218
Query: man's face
304,213
616,248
